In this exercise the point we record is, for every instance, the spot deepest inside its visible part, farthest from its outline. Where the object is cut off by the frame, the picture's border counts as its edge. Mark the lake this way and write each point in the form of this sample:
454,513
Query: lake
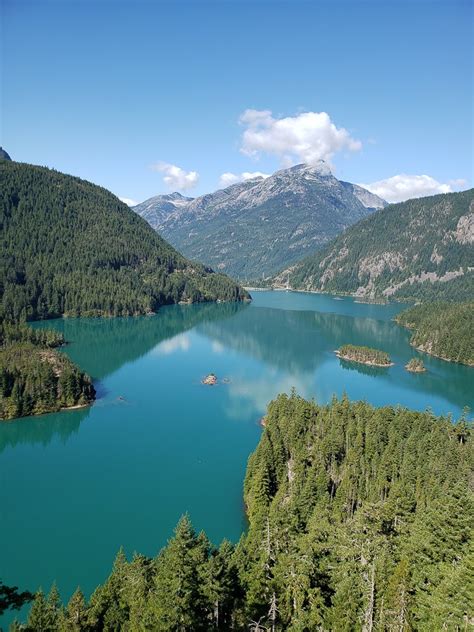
77,485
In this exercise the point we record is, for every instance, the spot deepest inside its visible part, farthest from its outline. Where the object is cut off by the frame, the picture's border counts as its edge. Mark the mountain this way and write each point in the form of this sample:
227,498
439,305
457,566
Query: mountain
257,227
157,209
4,155
421,248
71,247
368,199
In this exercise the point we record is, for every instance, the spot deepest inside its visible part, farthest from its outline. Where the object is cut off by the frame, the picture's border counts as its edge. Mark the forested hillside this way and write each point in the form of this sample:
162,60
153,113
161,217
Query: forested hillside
34,378
360,518
71,247
422,248
445,330
68,247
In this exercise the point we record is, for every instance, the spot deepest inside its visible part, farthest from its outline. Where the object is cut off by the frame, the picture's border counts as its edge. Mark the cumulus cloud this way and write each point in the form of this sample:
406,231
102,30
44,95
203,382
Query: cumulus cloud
229,178
176,178
128,201
403,187
217,347
258,392
181,342
307,137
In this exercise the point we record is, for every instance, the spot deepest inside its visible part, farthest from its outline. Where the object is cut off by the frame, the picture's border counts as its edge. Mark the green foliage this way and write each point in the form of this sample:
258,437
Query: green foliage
10,598
360,518
369,517
70,247
415,365
366,355
391,252
46,613
35,379
444,330
11,333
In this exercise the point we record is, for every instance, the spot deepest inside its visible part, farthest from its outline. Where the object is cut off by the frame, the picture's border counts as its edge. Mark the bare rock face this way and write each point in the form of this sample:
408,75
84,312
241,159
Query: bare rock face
262,225
464,233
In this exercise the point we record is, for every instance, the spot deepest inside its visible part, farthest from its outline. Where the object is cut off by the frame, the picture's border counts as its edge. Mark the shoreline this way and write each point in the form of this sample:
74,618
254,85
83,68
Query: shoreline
438,357
75,407
49,412
357,298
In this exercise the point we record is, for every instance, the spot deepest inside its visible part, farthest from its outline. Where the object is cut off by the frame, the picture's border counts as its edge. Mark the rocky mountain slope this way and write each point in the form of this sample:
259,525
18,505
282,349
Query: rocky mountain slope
422,248
256,227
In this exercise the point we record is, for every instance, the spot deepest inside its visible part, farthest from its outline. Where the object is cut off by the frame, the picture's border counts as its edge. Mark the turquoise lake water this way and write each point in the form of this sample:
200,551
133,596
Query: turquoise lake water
77,485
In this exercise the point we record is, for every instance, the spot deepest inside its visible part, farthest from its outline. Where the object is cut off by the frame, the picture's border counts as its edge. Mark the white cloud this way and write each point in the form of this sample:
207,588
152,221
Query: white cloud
181,342
217,347
176,178
307,137
229,178
259,391
403,187
128,201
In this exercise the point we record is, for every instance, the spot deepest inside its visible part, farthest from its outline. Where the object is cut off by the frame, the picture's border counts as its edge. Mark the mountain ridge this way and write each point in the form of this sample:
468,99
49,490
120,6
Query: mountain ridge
257,226
72,247
419,249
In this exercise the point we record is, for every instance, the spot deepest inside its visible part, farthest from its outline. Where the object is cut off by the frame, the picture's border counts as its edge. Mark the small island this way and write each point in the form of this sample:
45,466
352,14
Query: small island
364,355
209,380
415,366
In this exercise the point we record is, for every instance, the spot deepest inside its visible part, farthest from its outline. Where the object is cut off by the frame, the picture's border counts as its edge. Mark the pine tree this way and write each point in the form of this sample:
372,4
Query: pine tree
54,604
74,618
177,601
41,617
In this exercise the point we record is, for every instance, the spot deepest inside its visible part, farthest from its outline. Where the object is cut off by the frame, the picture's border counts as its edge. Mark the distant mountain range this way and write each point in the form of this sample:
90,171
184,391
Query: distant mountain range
259,226
422,248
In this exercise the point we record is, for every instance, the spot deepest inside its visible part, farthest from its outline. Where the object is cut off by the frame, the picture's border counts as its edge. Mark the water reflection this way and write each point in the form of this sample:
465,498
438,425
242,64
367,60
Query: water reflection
362,368
295,347
301,343
42,429
298,340
100,346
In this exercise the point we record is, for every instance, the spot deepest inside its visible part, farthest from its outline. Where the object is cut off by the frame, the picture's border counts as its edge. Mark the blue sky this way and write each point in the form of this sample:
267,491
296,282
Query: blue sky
107,89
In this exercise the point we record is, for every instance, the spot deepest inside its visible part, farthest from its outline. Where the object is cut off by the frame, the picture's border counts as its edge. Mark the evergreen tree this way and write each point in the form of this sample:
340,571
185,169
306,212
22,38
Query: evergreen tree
41,617
177,602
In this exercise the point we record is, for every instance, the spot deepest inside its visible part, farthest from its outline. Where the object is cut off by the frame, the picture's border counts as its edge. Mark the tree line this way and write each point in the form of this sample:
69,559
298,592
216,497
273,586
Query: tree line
71,247
360,518
442,329
34,378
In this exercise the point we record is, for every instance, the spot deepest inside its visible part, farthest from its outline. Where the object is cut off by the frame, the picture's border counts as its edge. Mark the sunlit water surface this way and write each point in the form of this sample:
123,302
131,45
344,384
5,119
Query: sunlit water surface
77,485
